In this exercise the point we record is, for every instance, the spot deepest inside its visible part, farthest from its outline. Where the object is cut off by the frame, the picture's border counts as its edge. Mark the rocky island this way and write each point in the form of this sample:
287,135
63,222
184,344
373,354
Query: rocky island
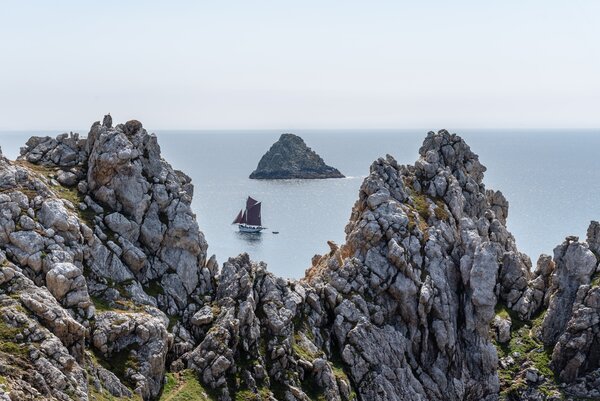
288,158
107,292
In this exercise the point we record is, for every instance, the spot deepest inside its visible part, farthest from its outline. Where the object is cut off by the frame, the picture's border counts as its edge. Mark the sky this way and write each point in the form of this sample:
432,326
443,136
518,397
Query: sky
300,64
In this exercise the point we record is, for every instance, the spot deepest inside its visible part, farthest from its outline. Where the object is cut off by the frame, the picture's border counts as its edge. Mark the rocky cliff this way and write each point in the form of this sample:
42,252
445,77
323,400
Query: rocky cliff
289,157
107,293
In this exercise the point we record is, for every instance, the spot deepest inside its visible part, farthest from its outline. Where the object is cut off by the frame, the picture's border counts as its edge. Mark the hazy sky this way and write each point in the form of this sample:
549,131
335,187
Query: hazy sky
300,64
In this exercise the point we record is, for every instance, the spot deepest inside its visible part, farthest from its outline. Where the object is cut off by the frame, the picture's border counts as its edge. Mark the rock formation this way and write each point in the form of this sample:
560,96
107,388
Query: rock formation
289,157
106,290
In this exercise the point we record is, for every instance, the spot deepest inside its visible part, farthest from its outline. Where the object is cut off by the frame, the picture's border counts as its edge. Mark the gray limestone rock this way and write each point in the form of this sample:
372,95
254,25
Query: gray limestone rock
575,264
412,306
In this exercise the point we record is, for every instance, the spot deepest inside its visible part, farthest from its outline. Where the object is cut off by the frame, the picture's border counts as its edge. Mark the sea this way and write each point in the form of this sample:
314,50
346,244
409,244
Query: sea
551,179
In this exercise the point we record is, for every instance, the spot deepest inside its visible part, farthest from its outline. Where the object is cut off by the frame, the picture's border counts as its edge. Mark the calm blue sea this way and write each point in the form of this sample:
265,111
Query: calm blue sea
550,177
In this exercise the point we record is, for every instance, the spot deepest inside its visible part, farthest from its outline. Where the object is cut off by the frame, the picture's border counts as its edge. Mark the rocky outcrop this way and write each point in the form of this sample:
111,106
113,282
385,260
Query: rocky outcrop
415,285
104,226
106,291
288,158
140,340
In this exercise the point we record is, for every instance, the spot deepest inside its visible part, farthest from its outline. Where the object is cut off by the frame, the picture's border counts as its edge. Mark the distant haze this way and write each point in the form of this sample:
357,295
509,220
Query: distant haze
300,64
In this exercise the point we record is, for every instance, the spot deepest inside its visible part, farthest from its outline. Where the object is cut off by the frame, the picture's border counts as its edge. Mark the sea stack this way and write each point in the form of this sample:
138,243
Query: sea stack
289,157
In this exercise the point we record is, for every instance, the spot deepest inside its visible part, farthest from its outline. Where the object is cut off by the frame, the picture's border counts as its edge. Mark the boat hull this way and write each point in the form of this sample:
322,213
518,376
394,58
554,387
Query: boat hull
245,228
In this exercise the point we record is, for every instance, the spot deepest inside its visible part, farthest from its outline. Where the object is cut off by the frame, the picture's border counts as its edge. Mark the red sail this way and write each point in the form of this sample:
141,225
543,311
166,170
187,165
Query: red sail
250,202
239,219
253,214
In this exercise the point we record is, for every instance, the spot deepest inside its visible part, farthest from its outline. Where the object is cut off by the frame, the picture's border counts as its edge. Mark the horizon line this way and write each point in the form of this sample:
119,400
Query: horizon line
291,130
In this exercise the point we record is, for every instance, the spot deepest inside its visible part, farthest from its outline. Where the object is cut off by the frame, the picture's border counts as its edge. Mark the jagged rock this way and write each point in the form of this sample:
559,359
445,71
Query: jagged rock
405,309
139,338
203,316
575,264
63,151
67,178
53,214
502,327
401,256
107,121
289,157
39,364
532,375
132,127
127,174
122,226
593,237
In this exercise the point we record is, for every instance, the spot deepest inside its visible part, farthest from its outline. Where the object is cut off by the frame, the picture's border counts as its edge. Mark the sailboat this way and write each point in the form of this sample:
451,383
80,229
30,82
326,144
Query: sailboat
248,220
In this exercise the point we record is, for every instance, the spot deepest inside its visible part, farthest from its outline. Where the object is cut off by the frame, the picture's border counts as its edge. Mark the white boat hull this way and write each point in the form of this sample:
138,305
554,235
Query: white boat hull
245,228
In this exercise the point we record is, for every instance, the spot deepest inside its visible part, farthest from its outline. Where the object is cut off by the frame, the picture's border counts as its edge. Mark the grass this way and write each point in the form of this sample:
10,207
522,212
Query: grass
243,392
7,340
95,395
100,304
48,172
525,348
119,363
216,310
103,395
262,394
422,213
421,205
185,386
69,193
154,289
595,280
337,366
502,311
302,352
440,210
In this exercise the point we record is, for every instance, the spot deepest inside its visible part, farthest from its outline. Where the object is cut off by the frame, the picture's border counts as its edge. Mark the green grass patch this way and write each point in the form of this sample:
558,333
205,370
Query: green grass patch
595,280
104,395
338,368
262,394
70,194
8,332
7,340
524,347
185,386
505,312
502,311
154,289
100,304
421,205
303,352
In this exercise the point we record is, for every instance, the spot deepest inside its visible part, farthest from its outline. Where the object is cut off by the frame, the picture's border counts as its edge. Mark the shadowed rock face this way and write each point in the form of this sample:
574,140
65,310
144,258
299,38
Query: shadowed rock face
105,287
289,157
